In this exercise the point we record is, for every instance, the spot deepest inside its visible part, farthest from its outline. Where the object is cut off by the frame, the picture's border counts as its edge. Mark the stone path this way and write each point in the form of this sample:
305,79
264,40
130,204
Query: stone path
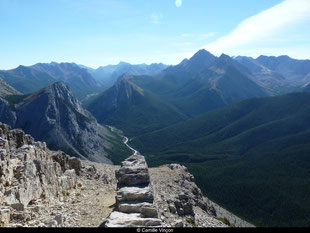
134,199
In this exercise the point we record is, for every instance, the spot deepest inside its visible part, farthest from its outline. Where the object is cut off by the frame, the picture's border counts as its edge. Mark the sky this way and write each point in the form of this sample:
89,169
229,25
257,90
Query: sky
101,32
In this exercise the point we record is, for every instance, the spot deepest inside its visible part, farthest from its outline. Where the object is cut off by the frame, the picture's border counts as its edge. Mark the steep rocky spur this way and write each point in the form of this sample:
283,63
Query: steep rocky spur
55,116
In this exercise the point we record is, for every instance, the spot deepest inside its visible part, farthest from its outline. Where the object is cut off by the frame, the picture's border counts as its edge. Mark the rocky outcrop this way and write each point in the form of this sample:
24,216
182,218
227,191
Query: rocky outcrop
134,199
29,172
180,202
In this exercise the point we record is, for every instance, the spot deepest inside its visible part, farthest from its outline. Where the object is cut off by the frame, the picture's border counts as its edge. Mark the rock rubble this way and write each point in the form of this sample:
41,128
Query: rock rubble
180,202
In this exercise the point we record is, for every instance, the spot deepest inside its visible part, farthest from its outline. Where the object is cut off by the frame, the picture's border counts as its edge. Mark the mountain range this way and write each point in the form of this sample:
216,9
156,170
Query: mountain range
280,74
193,87
109,74
28,79
239,124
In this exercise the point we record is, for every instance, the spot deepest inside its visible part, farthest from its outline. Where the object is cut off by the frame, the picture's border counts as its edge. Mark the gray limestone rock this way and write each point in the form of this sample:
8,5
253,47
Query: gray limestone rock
118,219
143,194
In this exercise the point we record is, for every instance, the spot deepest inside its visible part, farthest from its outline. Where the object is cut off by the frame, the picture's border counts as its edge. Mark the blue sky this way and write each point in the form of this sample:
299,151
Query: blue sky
102,32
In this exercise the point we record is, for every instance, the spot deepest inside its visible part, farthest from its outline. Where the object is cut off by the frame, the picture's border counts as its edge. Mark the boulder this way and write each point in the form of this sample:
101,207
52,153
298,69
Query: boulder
75,163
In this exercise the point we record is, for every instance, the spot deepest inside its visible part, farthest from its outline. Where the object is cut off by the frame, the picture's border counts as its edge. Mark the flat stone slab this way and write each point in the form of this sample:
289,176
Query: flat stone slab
134,179
118,219
145,208
143,194
131,170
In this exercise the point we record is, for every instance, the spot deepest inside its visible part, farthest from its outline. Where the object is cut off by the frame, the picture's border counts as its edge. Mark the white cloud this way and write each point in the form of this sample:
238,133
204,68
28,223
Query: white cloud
156,17
178,3
265,27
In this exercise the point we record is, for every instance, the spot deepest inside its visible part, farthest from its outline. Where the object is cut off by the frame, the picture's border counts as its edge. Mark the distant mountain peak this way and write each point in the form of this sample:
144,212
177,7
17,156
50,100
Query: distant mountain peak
123,77
59,86
202,54
202,59
226,58
184,61
124,84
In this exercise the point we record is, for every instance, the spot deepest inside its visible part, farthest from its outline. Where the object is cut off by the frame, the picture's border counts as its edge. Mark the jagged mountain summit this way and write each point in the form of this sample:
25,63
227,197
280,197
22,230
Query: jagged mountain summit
28,79
55,116
200,84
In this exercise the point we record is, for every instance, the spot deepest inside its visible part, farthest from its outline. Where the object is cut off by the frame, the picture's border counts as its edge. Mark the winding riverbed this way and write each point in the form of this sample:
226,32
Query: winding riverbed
135,152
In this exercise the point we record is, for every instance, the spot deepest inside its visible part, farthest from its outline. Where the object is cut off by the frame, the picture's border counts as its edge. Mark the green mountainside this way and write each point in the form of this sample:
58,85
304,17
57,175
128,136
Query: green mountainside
249,155
135,111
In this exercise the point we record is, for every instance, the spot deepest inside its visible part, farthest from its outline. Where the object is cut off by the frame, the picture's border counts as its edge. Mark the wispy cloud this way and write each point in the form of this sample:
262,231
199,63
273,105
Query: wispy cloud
156,17
268,24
